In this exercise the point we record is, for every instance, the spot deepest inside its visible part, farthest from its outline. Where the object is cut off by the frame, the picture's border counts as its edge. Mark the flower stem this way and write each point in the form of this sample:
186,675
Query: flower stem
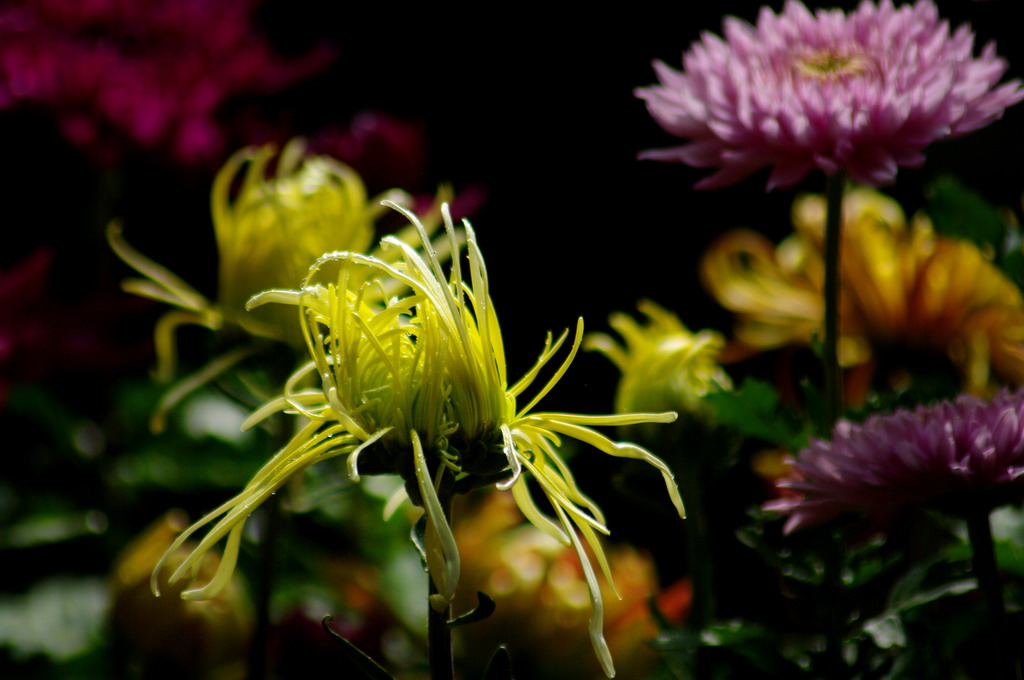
833,378
693,477
273,517
983,564
830,348
268,548
835,666
439,635
701,563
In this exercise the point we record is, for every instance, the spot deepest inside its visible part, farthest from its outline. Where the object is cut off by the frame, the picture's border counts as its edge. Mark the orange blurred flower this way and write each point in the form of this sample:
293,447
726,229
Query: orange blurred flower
542,603
902,286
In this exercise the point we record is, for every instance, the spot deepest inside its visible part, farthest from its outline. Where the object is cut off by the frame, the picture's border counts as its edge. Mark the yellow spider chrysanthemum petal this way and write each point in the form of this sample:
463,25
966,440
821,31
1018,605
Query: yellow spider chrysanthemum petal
414,383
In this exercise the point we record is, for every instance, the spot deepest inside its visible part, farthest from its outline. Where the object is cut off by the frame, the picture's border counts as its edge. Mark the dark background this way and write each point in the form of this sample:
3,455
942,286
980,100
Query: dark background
537,106
532,104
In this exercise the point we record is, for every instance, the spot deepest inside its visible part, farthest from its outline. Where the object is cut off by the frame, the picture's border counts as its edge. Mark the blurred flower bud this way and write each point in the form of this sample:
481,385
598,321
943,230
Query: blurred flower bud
664,366
203,639
277,225
542,603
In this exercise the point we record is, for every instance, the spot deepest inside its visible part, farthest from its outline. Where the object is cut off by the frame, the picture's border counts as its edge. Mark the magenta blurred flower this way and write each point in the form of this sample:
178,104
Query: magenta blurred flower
151,75
386,151
41,337
865,92
951,453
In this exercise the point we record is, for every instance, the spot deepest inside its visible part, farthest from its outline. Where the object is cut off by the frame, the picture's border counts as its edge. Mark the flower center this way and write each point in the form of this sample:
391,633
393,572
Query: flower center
827,65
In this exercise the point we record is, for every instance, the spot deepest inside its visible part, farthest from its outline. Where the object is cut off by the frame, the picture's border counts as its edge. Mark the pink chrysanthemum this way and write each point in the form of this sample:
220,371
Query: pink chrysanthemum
948,452
865,93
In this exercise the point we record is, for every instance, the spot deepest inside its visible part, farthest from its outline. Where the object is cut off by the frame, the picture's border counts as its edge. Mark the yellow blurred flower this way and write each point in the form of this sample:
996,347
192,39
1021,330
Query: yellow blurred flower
902,285
277,227
269,230
664,365
267,237
415,384
206,639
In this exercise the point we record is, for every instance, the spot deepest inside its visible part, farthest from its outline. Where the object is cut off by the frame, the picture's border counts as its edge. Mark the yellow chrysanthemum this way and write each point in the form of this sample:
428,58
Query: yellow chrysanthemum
270,232
267,237
663,364
276,228
902,285
417,386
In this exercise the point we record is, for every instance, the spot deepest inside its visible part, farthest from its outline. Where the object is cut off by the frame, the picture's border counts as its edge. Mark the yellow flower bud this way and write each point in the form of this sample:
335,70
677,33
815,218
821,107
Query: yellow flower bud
277,225
664,365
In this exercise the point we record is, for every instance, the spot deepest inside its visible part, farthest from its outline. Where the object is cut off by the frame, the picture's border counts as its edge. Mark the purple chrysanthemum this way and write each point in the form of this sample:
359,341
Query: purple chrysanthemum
865,93
967,447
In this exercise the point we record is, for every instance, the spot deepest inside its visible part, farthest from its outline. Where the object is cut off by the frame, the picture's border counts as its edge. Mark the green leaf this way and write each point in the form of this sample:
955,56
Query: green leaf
757,645
754,411
500,665
908,592
484,609
963,213
814,403
866,562
364,664
33,401
886,631
45,528
60,617
1007,541
1013,265
184,467
950,589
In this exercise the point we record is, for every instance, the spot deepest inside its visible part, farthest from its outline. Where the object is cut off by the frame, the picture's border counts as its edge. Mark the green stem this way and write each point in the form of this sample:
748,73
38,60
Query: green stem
701,562
830,348
273,517
699,548
439,635
258,662
834,601
833,378
983,564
